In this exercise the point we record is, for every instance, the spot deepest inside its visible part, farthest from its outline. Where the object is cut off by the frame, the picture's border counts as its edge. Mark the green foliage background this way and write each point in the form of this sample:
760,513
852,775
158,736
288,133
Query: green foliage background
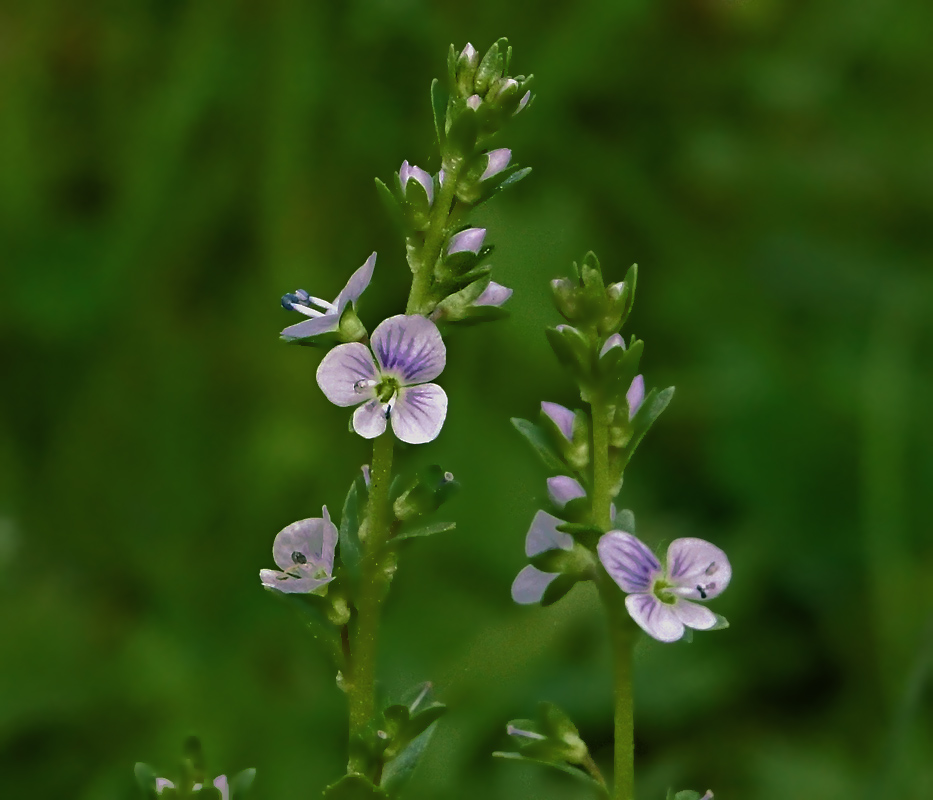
169,169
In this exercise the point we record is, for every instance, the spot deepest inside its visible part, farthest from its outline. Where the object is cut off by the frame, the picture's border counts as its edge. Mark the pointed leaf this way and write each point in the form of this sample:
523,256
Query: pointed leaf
393,209
353,787
558,588
146,778
241,783
652,407
399,770
439,112
539,442
579,774
425,530
350,549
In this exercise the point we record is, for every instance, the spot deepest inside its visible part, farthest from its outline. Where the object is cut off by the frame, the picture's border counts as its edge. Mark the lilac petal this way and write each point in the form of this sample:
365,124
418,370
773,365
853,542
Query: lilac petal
561,417
426,181
529,585
312,327
496,161
495,294
543,535
419,413
467,241
163,783
523,102
474,101
635,395
410,348
468,52
628,561
655,618
693,615
615,340
347,374
369,420
299,580
308,541
357,284
700,569
220,782
562,489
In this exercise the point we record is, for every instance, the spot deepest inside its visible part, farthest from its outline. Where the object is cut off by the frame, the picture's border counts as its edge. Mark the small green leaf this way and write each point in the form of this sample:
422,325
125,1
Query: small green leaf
438,110
576,529
650,410
721,623
353,787
399,770
425,530
350,550
146,778
393,209
515,177
687,794
241,783
558,588
579,774
624,521
539,442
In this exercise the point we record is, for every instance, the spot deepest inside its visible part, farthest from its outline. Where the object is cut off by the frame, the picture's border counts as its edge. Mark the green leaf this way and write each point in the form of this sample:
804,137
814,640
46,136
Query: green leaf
350,550
353,787
399,770
624,521
425,530
721,623
539,443
650,410
580,529
439,111
393,209
146,778
687,794
241,783
558,588
515,177
579,774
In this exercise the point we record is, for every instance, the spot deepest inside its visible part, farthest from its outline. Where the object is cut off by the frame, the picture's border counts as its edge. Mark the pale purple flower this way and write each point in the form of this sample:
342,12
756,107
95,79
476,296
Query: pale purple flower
474,101
660,599
496,161
411,172
495,294
220,782
561,417
530,584
523,102
615,340
325,316
393,386
561,489
469,53
469,240
304,552
635,396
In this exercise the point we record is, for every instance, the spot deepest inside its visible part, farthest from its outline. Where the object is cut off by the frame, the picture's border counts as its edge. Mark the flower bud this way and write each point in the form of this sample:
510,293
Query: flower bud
469,240
467,62
496,162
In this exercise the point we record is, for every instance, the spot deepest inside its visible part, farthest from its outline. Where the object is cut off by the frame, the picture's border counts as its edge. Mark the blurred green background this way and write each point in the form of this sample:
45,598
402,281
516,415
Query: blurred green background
169,169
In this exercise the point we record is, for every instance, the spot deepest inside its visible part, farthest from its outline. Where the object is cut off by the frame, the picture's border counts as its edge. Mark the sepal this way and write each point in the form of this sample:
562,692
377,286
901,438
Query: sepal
540,442
574,772
430,489
353,787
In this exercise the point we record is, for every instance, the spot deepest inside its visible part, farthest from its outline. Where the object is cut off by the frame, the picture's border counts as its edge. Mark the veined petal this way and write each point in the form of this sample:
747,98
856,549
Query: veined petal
312,327
655,618
307,541
635,395
419,413
299,580
409,347
347,374
495,294
562,489
543,535
628,561
699,569
529,585
561,417
369,420
693,615
357,284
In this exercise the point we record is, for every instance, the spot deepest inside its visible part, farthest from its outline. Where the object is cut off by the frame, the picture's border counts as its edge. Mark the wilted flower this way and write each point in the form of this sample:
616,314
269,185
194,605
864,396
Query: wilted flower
325,317
304,552
661,599
392,386
530,584
411,172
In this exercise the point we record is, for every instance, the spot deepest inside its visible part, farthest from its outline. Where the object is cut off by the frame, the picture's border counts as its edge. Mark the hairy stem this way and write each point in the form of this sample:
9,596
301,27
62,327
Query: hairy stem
423,264
362,683
621,629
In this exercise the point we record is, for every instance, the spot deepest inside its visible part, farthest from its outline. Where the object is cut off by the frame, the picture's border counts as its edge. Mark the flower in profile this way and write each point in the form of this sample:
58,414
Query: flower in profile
562,417
304,552
561,489
220,783
496,161
325,316
411,172
469,240
495,294
661,599
530,584
392,386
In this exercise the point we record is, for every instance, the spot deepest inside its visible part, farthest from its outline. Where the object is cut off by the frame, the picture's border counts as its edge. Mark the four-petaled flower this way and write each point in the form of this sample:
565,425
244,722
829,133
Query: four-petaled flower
393,386
325,317
660,599
304,552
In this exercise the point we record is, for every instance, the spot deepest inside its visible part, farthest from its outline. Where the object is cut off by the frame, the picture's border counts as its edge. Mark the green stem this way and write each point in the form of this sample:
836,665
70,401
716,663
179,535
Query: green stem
364,640
621,629
423,265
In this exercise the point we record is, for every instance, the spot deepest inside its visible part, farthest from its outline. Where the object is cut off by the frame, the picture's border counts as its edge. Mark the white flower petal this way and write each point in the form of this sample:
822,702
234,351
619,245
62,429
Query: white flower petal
357,284
628,561
543,535
343,372
699,569
561,489
307,541
530,584
369,420
409,347
693,615
312,327
655,618
419,413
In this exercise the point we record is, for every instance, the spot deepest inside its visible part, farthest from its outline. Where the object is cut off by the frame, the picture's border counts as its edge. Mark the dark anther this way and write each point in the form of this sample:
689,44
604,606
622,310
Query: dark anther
702,592
299,558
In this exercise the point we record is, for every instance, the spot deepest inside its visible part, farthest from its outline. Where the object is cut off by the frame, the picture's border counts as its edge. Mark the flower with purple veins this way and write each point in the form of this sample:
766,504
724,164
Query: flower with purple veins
304,552
496,161
530,584
392,386
661,599
411,172
325,316
469,240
